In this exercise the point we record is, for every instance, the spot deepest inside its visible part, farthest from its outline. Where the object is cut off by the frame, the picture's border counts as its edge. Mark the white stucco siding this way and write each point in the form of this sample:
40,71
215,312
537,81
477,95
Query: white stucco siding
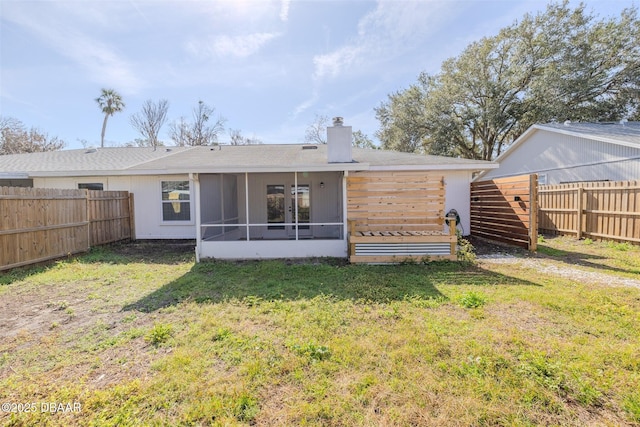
458,196
147,196
566,158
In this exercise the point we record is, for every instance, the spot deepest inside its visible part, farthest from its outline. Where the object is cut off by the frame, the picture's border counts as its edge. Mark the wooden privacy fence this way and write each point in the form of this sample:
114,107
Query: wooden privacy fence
601,210
42,224
395,216
505,210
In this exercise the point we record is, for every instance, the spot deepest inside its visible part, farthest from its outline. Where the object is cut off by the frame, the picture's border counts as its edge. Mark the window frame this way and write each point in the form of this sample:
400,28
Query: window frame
188,202
88,185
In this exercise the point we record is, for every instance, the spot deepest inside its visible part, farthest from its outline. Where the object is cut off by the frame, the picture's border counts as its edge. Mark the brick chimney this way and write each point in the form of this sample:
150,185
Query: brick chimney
339,139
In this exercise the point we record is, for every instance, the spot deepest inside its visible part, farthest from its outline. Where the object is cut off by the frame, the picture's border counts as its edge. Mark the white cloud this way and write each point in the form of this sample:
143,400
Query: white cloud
239,46
332,64
391,29
284,10
306,104
100,61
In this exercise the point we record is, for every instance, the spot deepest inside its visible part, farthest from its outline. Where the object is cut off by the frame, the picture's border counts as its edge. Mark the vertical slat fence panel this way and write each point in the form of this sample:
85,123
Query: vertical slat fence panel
598,210
110,217
41,224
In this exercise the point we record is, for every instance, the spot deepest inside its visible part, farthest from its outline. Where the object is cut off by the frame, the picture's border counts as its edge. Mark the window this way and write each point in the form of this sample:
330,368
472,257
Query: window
176,205
91,186
542,178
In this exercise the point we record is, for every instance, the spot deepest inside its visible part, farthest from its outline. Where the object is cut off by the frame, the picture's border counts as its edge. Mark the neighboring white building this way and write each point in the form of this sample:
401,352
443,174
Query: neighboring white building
254,201
573,152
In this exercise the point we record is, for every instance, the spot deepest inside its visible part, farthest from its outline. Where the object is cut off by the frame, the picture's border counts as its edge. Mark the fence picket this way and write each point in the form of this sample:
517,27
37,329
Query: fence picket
42,224
603,210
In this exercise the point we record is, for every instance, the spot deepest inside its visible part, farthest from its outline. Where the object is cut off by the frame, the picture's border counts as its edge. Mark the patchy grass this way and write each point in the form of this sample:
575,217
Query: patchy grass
143,336
621,259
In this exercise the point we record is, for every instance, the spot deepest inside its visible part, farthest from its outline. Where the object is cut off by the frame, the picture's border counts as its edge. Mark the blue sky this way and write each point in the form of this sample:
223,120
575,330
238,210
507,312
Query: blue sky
268,67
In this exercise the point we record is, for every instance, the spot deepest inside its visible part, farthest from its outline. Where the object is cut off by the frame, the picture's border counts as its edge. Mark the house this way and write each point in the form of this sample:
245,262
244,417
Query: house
573,152
265,201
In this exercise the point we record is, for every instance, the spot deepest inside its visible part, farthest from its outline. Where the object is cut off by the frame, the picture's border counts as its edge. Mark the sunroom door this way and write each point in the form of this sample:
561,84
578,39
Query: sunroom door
284,200
302,196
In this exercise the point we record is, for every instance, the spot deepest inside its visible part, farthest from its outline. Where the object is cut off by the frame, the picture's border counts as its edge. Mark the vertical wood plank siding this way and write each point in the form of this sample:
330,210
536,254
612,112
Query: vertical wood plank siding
505,210
598,210
42,224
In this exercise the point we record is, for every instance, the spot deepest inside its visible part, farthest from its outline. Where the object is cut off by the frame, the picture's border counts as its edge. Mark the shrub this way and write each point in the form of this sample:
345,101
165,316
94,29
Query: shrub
314,352
466,252
159,334
472,300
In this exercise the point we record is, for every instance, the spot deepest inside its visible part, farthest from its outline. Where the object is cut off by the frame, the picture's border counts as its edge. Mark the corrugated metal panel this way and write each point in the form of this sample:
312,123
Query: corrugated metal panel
402,249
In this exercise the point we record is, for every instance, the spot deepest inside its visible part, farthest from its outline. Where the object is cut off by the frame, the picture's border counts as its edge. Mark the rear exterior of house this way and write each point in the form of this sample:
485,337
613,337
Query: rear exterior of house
264,201
573,152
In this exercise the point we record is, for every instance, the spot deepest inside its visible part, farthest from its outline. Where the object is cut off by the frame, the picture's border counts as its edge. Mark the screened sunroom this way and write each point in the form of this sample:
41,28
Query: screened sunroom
271,215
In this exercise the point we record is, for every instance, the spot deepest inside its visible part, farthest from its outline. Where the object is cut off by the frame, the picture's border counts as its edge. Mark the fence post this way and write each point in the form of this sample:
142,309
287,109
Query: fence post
351,224
533,212
579,212
88,213
452,233
132,217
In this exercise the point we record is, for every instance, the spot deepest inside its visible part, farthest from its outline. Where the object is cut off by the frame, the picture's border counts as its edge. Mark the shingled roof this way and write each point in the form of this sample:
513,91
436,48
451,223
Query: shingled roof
212,159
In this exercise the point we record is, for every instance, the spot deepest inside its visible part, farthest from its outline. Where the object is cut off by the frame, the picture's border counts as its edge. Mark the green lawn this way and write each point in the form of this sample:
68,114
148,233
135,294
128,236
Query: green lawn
140,335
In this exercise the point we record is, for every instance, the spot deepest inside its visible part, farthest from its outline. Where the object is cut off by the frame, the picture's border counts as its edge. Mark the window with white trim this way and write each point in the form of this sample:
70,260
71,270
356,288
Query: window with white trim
176,201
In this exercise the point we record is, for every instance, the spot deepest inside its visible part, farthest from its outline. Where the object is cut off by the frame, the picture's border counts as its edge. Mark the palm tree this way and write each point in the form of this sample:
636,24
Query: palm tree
110,102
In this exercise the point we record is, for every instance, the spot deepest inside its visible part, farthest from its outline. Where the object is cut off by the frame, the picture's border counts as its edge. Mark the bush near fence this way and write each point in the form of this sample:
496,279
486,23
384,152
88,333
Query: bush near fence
41,224
607,210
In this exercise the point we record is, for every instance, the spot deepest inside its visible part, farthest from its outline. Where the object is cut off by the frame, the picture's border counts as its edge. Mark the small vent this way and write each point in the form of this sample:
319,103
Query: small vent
309,147
91,150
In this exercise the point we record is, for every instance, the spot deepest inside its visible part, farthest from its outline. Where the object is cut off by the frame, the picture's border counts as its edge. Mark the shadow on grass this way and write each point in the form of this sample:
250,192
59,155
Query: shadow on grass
18,274
141,251
218,281
579,258
547,250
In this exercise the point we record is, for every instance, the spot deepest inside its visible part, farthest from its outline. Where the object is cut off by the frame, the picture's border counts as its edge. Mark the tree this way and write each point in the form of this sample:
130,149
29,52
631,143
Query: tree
559,65
150,120
361,140
200,131
110,102
16,138
236,138
178,132
316,132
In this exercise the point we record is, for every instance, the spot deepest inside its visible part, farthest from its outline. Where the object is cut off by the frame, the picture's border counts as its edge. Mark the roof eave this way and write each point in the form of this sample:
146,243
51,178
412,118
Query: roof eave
462,166
569,132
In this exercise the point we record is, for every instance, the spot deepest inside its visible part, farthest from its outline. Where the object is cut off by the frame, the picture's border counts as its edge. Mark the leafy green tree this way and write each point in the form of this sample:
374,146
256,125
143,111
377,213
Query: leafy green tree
15,138
361,140
562,64
110,102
